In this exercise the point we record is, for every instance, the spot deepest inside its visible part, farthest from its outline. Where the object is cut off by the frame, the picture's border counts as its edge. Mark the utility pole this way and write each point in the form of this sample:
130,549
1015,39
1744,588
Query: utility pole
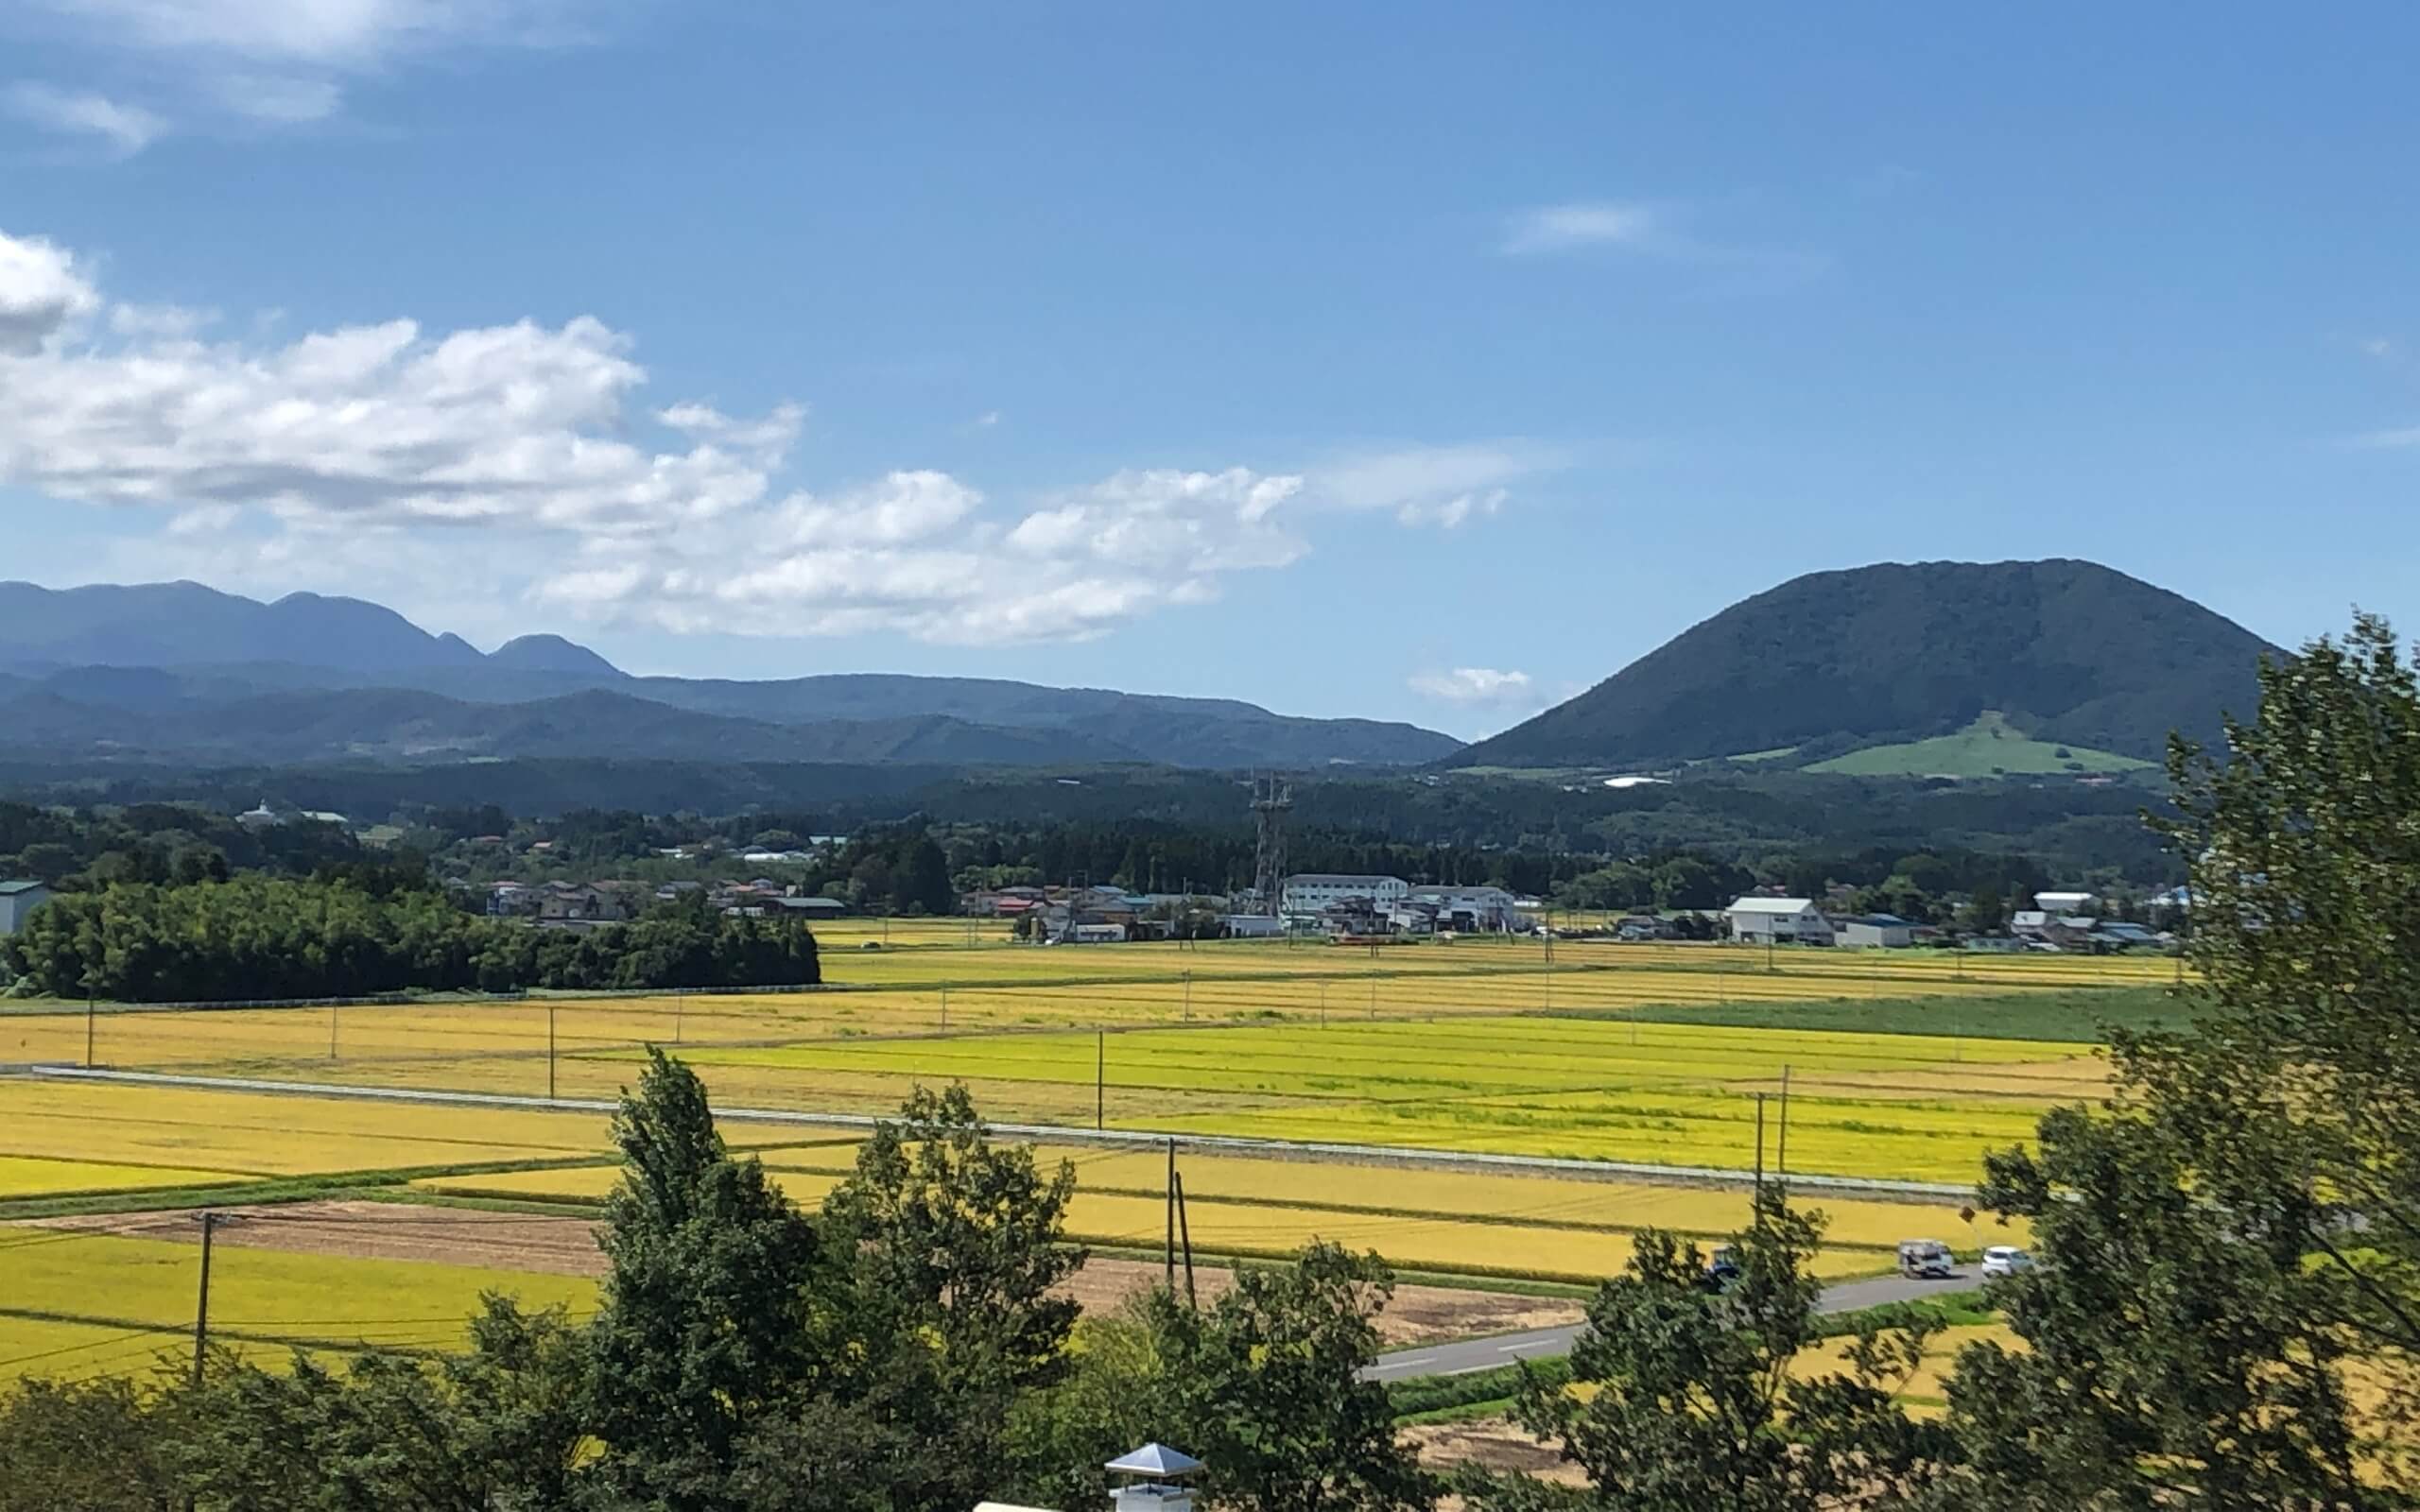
551,1052
1184,1232
1172,1239
1188,994
202,1307
1100,1079
1322,1005
1760,1146
680,1012
1781,1143
89,1021
332,1031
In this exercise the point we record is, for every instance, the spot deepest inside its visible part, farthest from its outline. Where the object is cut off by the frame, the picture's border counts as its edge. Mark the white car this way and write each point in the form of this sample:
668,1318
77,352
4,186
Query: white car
2005,1260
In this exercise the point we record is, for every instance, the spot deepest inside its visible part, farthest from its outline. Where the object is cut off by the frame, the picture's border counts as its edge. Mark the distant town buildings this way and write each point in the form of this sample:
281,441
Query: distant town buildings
1307,894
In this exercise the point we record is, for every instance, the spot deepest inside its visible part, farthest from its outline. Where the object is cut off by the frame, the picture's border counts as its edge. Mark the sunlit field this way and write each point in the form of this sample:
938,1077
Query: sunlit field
76,1305
1475,1046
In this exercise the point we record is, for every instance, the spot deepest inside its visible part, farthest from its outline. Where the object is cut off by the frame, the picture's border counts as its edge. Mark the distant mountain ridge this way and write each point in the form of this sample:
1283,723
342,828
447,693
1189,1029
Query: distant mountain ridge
179,670
2063,650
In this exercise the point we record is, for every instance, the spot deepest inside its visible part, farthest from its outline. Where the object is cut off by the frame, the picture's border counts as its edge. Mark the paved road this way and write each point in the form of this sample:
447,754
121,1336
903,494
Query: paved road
1465,1356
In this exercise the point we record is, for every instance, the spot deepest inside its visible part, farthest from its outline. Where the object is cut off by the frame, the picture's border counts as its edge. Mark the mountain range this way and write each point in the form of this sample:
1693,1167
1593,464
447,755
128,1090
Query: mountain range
184,671
1946,668
2093,665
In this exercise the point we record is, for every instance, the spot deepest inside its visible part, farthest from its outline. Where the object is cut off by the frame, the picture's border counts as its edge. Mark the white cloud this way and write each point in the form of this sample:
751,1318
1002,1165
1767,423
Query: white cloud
124,129
987,419
2397,439
268,62
520,424
1442,486
916,554
1475,685
42,290
519,462
1569,227
333,33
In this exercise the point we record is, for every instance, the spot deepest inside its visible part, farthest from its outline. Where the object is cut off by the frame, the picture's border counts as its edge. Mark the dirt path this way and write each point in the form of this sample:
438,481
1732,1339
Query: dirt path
566,1246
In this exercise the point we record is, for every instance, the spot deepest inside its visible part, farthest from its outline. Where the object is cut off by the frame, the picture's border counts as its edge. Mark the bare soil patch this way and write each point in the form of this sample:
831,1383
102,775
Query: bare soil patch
1491,1443
1418,1315
382,1230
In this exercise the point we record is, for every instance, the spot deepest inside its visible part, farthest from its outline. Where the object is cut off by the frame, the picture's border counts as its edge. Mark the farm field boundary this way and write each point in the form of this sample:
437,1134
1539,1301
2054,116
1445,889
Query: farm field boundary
1311,1149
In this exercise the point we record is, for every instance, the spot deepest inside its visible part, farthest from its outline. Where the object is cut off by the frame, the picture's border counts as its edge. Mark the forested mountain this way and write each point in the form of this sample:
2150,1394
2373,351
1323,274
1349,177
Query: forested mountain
178,669
2064,651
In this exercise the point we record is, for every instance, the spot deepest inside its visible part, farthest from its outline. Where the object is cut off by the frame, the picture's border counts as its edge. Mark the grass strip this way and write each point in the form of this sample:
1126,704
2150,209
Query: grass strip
2077,1015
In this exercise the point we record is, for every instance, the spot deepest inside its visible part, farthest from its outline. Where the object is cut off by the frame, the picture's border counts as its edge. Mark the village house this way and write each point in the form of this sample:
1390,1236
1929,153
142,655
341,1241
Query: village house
1778,920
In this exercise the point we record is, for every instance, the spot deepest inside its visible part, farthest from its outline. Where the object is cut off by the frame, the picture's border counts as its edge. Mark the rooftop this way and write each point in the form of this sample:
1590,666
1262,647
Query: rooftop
1336,878
1772,905
16,885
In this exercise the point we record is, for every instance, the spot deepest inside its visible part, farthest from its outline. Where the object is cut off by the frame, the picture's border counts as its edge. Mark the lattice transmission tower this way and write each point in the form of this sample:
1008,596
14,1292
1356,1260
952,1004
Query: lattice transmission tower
1272,799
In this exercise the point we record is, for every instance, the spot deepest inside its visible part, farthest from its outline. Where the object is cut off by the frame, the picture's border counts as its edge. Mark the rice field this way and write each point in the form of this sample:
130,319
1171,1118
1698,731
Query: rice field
1471,1047
123,1138
1475,1045
58,1316
1467,1221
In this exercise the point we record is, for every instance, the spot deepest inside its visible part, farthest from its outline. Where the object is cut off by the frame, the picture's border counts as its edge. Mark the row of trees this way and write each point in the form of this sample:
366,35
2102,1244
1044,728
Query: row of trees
156,842
255,936
906,1346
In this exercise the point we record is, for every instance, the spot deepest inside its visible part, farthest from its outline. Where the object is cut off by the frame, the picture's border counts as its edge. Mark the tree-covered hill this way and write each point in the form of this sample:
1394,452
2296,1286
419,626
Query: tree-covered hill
2065,651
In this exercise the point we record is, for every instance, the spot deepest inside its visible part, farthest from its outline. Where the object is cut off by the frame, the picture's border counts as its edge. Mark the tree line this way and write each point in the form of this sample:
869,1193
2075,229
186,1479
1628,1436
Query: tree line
255,936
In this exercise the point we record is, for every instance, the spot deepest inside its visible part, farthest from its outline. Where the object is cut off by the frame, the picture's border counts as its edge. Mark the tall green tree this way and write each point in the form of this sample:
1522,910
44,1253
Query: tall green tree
2177,1352
1698,1401
2232,1245
940,1302
1263,1384
96,1445
703,1332
1264,1387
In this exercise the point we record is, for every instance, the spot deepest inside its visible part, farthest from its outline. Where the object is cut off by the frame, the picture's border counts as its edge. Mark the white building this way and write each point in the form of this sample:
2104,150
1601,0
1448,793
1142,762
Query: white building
17,900
1313,892
1793,921
2064,902
1480,910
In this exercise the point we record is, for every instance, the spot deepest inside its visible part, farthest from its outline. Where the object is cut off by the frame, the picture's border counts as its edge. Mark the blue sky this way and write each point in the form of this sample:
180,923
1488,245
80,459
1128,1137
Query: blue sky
1423,362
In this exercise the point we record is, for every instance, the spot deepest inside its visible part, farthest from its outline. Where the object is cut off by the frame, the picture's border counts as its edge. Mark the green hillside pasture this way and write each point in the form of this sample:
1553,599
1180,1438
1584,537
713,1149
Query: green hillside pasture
1987,748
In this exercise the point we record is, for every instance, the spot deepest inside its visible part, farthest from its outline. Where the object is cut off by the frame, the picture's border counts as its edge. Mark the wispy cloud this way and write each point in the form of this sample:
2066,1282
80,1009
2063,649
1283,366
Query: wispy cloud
1655,232
2395,439
241,64
1571,226
121,129
1441,486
